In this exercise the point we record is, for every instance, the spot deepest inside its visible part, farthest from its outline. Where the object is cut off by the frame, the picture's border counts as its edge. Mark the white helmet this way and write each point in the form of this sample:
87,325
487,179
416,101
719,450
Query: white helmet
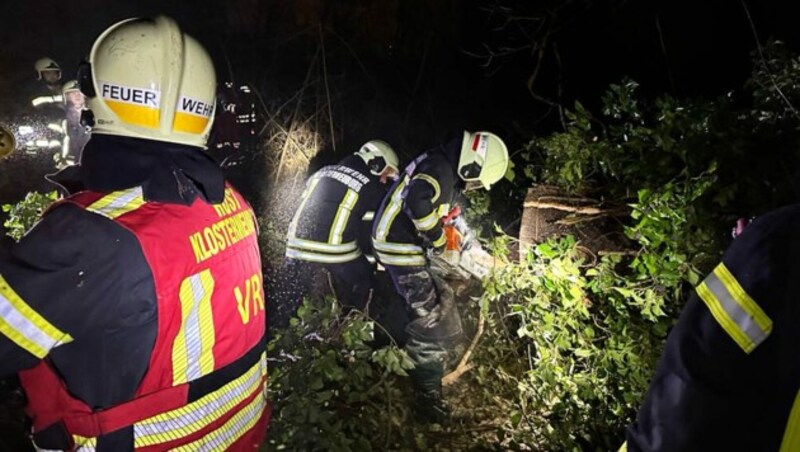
484,158
378,156
69,86
46,64
7,141
146,79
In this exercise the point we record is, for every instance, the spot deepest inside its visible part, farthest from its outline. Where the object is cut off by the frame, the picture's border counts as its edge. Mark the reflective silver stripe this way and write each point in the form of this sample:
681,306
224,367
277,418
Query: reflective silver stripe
26,327
235,428
310,186
84,444
397,248
370,258
194,343
725,299
408,260
116,203
322,258
428,222
342,215
368,216
392,209
433,182
319,246
197,415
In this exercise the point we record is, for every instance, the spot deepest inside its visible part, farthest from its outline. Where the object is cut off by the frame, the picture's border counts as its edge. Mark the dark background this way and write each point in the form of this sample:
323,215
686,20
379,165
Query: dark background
412,71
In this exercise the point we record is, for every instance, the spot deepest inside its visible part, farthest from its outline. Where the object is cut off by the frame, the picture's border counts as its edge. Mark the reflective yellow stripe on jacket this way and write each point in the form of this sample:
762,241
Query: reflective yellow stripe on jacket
737,313
791,437
393,208
437,189
83,444
203,412
428,222
399,254
192,350
26,327
310,186
311,256
342,215
118,203
310,245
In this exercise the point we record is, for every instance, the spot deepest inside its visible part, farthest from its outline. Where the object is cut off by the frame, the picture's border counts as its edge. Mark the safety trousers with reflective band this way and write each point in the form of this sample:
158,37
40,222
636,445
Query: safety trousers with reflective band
735,311
216,412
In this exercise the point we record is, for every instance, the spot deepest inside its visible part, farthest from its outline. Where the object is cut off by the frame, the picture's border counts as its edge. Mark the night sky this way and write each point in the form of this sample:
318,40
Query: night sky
411,71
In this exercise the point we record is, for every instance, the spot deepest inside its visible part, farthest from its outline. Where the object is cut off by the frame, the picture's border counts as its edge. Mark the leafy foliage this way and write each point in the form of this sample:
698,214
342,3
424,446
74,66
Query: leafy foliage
24,214
335,391
571,336
575,337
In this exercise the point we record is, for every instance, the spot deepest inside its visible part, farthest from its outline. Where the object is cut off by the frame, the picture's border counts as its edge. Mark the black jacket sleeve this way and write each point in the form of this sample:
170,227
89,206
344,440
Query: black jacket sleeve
368,203
74,279
428,197
720,372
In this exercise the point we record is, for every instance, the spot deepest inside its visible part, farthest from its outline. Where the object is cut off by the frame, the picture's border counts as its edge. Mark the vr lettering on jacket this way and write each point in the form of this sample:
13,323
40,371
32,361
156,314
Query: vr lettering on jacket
237,224
195,107
250,301
129,95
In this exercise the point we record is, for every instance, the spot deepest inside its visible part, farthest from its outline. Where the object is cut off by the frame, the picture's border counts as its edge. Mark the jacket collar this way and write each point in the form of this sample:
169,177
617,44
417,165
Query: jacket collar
169,173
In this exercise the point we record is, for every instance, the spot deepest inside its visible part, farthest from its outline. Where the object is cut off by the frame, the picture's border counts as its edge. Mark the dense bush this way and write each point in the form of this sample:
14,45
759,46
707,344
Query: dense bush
571,338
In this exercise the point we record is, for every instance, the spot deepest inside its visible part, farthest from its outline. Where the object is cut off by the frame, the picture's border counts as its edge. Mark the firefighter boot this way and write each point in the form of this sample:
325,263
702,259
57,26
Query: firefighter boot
429,405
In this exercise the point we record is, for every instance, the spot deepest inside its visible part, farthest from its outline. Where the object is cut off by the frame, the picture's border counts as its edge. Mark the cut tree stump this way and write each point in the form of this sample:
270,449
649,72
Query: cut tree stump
549,212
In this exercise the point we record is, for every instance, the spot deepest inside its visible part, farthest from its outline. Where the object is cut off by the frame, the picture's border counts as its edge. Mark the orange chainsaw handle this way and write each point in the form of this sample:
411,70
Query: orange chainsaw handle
453,237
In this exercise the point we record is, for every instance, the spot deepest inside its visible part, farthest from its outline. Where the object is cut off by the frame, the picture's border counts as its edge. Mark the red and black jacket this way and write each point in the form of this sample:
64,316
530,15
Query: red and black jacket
135,310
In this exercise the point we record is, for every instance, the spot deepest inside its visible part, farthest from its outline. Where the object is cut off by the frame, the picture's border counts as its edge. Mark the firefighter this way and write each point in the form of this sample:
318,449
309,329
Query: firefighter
49,72
75,134
408,228
331,227
50,108
133,312
728,378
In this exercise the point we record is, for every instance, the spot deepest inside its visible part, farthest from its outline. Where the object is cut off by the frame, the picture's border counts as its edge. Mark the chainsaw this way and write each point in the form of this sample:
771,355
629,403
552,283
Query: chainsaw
463,257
